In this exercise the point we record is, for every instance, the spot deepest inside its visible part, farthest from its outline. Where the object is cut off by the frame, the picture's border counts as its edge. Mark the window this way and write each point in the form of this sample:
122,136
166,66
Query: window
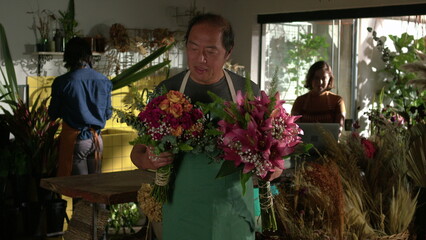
291,42
289,50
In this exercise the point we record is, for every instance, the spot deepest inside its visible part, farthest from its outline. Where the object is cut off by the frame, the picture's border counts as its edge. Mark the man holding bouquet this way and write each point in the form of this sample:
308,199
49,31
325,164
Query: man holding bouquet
203,206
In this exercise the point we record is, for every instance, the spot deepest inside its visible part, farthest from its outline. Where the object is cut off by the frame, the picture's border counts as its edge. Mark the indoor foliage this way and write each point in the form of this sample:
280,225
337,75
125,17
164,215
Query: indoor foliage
406,98
300,54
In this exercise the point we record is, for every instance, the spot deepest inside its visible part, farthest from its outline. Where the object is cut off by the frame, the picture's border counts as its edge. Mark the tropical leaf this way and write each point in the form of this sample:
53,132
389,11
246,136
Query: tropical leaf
227,168
9,90
138,75
134,73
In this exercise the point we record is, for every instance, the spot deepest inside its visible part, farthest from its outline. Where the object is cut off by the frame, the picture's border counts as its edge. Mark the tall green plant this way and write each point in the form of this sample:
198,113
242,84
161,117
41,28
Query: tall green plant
405,98
303,53
9,83
68,22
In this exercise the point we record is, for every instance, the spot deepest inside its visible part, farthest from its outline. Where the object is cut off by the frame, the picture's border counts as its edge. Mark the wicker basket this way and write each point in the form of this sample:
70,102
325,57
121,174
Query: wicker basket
81,224
399,236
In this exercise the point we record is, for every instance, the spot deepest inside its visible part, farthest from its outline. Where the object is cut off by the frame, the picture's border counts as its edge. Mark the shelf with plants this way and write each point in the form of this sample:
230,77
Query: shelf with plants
44,57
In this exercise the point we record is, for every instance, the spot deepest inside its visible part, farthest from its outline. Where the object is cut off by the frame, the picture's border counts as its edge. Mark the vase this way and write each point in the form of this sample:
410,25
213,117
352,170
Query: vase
11,222
32,219
43,45
100,44
4,132
55,216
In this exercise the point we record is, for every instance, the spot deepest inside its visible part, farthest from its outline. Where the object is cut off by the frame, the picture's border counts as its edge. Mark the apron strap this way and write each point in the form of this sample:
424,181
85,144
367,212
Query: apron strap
98,153
228,80
231,86
184,82
67,140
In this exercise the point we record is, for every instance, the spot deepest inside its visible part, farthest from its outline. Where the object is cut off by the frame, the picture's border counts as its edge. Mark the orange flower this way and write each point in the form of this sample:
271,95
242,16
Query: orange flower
187,107
164,105
176,97
175,109
178,131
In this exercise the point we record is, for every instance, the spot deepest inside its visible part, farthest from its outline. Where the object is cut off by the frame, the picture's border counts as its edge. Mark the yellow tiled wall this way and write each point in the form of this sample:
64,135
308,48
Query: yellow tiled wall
116,136
116,154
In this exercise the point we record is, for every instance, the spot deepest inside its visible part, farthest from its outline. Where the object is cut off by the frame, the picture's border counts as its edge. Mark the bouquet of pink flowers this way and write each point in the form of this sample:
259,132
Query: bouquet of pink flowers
257,134
169,123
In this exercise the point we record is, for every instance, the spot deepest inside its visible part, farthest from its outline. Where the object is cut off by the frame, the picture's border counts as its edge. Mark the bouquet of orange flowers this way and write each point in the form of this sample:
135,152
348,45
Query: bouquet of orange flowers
169,123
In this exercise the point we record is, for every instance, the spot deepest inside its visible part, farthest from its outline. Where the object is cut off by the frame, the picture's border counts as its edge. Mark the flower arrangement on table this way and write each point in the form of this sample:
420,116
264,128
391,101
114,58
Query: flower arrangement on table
256,135
167,123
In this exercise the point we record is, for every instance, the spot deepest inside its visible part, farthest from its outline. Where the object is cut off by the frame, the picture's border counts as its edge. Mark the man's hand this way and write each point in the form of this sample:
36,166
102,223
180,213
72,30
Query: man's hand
160,160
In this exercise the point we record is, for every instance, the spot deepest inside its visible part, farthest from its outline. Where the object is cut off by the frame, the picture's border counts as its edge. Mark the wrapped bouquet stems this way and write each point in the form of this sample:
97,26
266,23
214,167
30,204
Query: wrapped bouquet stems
267,211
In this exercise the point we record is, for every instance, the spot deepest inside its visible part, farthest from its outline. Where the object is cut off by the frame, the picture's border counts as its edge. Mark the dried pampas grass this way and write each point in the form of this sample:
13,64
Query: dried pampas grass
378,202
312,206
150,207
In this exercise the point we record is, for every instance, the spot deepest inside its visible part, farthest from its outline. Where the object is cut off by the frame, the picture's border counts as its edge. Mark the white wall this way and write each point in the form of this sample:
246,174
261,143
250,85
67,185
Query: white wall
101,14
92,16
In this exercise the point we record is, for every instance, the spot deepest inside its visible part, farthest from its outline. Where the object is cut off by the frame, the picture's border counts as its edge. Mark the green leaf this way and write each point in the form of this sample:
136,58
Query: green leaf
227,168
185,147
244,178
10,90
122,82
140,65
213,132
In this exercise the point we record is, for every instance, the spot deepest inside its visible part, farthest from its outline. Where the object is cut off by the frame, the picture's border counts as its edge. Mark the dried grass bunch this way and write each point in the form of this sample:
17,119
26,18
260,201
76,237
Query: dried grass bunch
150,207
359,189
119,38
142,41
311,207
416,157
378,193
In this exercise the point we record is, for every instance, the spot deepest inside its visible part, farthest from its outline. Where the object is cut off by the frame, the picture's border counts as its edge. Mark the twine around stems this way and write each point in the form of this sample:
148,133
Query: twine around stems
266,198
162,176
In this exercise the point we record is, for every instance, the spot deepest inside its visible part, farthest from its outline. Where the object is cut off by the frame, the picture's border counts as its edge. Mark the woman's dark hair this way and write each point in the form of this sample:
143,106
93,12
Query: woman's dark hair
77,53
320,65
215,20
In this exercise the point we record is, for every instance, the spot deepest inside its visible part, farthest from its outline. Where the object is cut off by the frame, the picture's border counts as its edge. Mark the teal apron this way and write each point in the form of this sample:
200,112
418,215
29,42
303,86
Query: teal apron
204,207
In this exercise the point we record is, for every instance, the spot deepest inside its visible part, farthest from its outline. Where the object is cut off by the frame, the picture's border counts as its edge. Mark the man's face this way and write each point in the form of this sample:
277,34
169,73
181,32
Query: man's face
206,54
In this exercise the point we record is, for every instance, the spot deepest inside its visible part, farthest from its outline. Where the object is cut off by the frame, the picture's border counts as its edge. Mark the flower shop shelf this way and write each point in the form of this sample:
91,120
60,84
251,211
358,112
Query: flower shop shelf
43,57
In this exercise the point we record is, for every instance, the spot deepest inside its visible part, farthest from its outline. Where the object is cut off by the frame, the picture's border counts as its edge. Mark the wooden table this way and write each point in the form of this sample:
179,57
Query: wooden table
104,188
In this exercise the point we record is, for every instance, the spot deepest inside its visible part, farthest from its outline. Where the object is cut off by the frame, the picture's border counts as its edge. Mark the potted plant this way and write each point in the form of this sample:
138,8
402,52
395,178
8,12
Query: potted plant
42,21
68,22
33,157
